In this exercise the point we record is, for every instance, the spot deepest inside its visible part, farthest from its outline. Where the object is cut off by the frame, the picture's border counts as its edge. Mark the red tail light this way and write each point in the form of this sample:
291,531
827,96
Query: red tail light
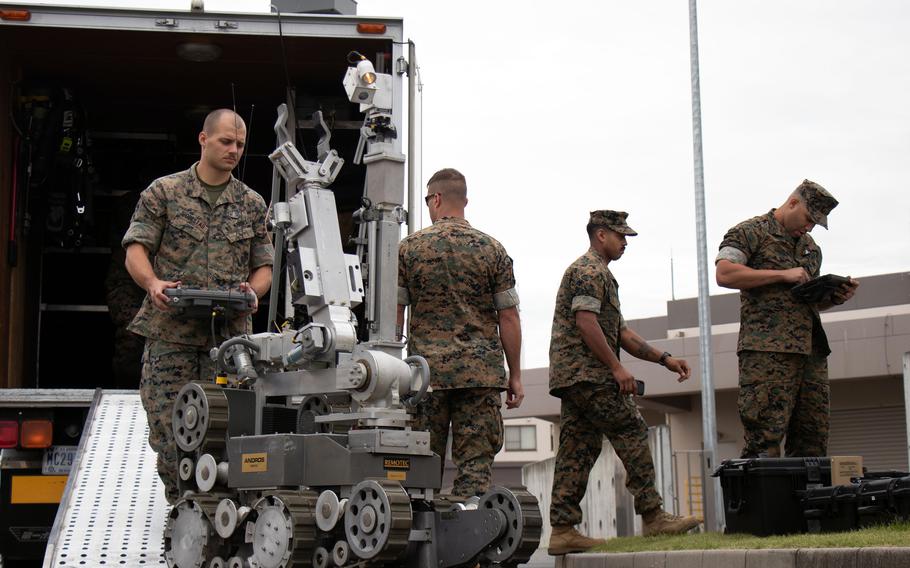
37,433
9,433
371,28
15,15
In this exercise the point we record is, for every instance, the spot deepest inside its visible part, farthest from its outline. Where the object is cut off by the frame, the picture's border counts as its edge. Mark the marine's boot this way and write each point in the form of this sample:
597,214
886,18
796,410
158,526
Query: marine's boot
662,522
565,539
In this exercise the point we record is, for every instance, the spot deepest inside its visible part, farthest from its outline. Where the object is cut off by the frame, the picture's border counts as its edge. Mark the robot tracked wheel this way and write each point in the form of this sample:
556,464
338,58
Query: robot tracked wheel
200,417
284,531
189,537
523,527
377,520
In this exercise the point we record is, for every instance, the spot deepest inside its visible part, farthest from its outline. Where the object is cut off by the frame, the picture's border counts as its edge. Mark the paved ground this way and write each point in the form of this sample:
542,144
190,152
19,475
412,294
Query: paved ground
886,557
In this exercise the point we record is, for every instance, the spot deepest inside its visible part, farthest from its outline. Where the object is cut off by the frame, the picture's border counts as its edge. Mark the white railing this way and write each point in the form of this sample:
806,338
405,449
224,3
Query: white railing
688,469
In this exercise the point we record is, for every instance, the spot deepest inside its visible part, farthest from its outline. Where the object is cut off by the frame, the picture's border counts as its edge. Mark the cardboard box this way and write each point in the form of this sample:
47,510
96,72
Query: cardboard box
845,467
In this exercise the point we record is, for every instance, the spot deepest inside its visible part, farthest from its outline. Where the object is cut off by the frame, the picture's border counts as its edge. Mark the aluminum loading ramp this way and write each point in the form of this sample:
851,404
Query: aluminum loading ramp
113,510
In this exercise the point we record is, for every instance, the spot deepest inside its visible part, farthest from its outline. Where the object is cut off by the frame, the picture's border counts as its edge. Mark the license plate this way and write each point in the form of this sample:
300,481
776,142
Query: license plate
58,460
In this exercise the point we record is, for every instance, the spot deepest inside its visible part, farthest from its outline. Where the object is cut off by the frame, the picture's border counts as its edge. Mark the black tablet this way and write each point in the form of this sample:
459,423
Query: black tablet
195,302
819,289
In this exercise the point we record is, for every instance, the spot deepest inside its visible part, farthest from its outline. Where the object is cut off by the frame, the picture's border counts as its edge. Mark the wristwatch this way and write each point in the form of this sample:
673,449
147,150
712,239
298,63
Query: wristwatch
663,358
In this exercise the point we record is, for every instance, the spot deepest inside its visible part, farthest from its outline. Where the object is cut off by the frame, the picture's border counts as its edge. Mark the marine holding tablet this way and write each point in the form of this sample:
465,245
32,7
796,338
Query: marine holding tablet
782,349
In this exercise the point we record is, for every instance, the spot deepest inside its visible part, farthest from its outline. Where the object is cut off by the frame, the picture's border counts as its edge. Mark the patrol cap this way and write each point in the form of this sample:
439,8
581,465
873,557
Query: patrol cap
818,201
613,220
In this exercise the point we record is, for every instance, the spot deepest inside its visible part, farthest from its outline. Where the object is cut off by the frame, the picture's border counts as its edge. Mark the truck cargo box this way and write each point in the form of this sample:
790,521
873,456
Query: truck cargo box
135,86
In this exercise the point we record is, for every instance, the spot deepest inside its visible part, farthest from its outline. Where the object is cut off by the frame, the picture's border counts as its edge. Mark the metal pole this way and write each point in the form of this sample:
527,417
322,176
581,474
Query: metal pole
413,204
907,398
672,279
676,482
710,488
282,135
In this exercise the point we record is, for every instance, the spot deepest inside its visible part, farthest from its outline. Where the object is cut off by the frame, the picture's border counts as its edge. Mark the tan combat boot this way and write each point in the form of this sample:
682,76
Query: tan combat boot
662,522
565,539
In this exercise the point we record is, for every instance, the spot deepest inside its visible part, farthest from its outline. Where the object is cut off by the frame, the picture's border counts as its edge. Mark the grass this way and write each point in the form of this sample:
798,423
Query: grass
897,534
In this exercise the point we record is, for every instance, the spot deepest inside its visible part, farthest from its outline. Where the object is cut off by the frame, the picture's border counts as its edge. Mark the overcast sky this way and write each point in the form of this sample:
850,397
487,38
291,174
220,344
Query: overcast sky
552,112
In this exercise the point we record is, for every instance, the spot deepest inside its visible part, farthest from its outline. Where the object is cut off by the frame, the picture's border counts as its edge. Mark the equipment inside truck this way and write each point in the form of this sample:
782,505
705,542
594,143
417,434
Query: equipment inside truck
127,106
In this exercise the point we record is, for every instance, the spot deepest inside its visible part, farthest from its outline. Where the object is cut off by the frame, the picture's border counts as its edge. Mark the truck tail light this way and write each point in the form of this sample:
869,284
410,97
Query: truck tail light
377,29
9,433
36,434
15,15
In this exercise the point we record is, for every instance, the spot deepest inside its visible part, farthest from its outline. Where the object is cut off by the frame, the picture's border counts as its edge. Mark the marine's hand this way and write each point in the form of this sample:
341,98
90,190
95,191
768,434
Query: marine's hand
625,380
156,293
845,292
516,392
796,275
679,366
246,288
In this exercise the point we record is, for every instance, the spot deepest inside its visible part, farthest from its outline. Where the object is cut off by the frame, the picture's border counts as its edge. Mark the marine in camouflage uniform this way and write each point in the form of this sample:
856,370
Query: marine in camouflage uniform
200,236
782,348
585,373
459,286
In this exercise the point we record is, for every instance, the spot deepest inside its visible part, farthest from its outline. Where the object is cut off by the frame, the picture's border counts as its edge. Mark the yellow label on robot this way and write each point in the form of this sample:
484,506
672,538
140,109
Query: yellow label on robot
396,475
253,463
396,463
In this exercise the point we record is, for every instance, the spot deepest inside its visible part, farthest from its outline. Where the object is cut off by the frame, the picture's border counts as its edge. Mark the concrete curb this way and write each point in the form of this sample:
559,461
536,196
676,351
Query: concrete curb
879,557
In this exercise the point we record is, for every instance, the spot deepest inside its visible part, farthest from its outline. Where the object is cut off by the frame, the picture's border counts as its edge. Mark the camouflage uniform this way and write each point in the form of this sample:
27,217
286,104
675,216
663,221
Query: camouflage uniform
124,297
455,279
782,348
166,368
592,406
206,247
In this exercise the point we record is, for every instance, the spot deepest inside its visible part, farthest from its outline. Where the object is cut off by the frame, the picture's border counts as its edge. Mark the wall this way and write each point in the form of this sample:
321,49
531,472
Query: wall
12,279
537,402
5,188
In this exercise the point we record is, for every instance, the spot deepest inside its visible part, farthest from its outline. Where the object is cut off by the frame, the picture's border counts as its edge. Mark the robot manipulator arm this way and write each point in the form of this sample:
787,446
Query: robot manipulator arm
272,352
375,379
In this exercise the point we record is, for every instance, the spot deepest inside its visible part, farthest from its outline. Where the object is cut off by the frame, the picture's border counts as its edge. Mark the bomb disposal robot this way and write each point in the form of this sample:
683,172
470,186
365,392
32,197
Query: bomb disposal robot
306,457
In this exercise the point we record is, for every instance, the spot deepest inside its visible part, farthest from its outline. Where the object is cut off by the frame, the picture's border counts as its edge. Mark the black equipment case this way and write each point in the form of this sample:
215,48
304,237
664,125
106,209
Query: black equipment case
830,509
760,494
847,507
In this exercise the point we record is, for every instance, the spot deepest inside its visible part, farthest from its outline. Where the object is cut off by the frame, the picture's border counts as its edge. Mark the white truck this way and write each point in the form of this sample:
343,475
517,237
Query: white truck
96,102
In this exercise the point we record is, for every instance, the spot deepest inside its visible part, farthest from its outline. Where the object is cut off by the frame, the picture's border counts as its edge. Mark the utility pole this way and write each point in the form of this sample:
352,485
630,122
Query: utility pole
672,278
714,519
